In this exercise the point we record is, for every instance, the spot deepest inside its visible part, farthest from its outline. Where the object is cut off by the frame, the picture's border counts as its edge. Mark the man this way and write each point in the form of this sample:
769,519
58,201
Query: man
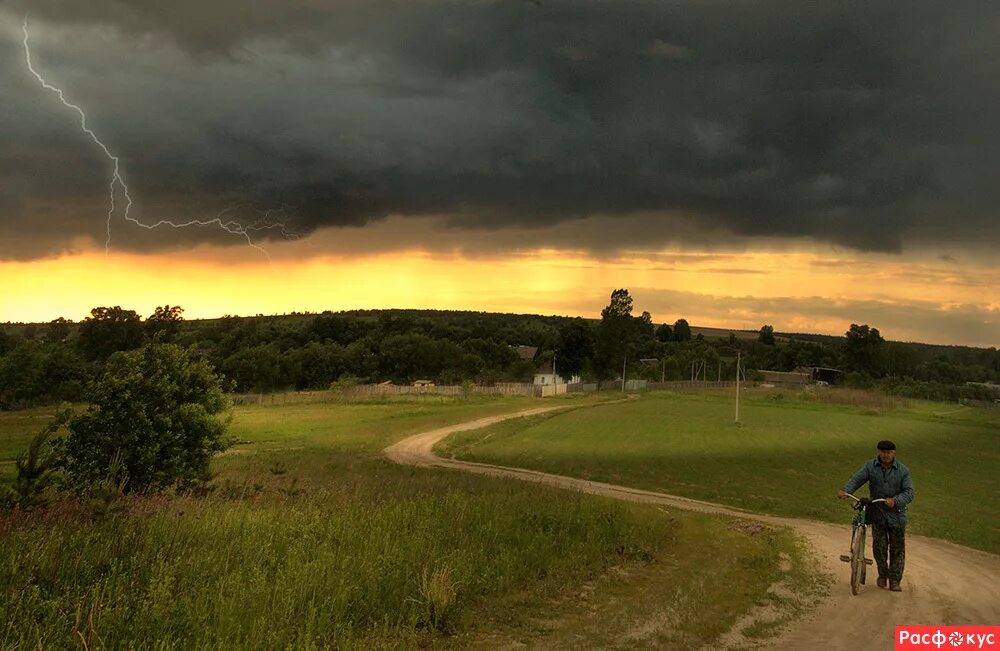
890,479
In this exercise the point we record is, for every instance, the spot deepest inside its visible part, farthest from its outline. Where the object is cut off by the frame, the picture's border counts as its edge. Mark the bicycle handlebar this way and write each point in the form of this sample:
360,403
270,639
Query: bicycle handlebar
859,499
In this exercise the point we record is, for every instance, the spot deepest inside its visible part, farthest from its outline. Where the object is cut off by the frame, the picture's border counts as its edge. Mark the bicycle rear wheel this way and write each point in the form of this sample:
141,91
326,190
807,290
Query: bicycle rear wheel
857,559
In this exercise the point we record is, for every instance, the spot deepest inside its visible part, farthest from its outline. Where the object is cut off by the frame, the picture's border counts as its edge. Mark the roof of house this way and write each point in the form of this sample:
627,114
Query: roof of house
526,353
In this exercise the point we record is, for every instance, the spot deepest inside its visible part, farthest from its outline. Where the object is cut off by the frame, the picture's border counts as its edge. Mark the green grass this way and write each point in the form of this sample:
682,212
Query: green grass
312,539
789,456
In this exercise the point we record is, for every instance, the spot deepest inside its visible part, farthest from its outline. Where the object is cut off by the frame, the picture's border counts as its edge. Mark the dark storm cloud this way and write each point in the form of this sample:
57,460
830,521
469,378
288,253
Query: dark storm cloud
865,124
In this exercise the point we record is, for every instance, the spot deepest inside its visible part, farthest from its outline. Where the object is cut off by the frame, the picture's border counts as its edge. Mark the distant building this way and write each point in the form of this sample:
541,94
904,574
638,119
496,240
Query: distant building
547,377
803,375
526,353
780,377
423,383
828,375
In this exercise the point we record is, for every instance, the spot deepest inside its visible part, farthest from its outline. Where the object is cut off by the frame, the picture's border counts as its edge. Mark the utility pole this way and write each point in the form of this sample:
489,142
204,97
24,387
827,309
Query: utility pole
737,387
663,371
624,362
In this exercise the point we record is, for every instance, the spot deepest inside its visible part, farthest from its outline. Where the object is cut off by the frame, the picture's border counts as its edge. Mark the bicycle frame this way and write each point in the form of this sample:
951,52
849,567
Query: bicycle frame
856,558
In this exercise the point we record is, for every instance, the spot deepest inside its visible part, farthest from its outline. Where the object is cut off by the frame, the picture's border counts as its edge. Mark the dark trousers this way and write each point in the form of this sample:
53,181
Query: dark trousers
889,550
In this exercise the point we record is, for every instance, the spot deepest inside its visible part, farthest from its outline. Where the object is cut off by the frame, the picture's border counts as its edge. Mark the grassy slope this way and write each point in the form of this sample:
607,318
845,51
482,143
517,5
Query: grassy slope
313,539
789,456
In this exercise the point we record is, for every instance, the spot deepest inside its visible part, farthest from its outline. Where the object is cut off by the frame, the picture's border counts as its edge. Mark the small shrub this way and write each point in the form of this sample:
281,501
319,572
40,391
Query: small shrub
344,383
36,467
438,592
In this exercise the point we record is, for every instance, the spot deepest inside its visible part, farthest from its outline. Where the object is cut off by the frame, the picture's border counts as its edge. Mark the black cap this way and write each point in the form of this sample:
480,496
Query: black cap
886,445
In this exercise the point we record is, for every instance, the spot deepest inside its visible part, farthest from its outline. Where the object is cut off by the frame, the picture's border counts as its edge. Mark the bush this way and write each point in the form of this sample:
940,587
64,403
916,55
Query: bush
858,380
154,415
345,383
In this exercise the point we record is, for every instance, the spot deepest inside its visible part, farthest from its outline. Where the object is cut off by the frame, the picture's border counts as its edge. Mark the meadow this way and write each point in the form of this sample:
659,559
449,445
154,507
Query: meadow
309,538
788,456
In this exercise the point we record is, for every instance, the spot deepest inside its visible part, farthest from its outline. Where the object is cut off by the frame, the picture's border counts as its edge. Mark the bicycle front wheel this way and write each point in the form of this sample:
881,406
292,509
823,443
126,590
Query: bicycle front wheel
857,559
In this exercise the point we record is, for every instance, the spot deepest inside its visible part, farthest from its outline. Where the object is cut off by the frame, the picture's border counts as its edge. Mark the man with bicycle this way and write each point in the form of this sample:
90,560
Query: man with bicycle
889,479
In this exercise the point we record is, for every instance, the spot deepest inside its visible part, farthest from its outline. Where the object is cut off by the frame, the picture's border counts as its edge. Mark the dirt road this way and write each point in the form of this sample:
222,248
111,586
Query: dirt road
944,584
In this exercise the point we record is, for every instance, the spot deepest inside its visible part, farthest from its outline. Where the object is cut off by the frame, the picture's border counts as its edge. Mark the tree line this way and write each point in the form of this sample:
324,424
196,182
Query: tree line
55,361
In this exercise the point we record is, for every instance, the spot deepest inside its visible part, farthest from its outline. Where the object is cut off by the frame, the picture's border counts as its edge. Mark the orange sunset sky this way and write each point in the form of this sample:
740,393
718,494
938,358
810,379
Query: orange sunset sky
802,289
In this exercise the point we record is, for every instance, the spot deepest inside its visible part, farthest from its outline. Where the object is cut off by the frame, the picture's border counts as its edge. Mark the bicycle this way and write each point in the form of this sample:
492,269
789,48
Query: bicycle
856,558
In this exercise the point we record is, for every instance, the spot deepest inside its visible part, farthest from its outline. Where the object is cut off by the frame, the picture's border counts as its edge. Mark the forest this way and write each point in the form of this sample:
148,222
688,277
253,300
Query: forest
53,362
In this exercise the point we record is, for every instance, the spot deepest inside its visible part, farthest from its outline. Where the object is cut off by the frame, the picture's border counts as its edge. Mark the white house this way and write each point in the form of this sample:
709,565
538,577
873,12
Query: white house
553,378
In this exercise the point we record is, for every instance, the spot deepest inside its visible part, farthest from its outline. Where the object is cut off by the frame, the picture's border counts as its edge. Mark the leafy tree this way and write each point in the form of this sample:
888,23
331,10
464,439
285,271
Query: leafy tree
412,356
58,330
682,331
37,372
864,350
614,333
108,330
620,305
535,332
21,375
164,322
766,335
644,325
900,360
576,347
496,357
258,368
155,413
63,373
341,329
398,323
664,333
362,359
318,365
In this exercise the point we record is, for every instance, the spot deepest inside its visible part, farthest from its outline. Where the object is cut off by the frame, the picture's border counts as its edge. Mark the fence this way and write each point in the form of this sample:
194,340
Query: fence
281,398
690,385
503,389
616,385
553,390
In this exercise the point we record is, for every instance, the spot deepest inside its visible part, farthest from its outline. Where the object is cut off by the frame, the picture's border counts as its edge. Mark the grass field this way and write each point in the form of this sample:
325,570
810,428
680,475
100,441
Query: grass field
312,539
789,456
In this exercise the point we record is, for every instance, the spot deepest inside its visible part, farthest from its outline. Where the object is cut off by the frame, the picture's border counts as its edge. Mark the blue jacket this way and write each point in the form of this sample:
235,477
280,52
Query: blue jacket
893,481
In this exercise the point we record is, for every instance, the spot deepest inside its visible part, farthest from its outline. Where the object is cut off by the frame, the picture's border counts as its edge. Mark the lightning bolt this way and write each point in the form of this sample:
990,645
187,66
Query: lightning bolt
118,181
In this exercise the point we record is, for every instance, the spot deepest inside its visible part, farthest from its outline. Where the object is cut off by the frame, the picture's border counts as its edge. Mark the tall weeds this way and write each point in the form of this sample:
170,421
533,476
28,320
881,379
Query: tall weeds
216,573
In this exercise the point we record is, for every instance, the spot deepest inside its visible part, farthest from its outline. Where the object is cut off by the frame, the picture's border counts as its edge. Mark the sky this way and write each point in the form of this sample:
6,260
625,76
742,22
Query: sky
804,165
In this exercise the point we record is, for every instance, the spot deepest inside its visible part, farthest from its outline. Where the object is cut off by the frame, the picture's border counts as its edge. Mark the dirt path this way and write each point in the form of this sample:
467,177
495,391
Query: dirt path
944,584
